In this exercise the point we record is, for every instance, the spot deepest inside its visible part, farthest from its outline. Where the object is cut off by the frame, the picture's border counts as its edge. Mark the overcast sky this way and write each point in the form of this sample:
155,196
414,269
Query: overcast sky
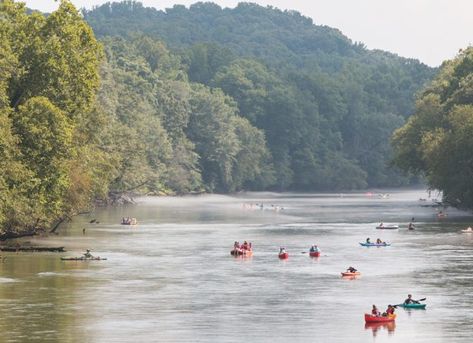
429,30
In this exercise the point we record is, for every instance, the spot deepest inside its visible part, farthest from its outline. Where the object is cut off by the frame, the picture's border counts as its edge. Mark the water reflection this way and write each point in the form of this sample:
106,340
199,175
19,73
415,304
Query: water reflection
376,327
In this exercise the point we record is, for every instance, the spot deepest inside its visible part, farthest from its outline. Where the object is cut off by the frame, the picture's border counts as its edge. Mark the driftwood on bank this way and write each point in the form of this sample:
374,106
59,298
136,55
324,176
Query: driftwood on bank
15,248
18,234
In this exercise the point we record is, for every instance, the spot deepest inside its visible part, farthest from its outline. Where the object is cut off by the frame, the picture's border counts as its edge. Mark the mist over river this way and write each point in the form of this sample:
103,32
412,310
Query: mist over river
171,278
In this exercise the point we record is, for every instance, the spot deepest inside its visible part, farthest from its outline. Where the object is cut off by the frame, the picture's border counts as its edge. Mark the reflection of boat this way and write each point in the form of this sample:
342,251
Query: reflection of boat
418,306
375,244
390,326
284,255
369,318
83,258
351,274
241,252
387,227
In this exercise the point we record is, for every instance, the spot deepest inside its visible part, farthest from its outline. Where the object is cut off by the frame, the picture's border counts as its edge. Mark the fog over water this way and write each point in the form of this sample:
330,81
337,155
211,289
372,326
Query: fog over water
171,277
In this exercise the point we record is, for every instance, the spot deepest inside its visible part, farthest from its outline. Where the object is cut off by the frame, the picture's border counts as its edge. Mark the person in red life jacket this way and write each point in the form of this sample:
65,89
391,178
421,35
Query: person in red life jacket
389,311
245,245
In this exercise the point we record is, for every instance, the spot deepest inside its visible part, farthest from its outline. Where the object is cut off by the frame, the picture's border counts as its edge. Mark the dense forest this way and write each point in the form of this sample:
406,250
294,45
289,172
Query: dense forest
437,141
187,100
327,106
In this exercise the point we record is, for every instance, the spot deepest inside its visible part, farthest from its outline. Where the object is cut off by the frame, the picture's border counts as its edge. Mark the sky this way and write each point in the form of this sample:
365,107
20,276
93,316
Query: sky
429,30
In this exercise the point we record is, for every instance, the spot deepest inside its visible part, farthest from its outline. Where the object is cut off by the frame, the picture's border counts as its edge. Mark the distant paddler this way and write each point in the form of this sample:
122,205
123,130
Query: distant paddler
88,254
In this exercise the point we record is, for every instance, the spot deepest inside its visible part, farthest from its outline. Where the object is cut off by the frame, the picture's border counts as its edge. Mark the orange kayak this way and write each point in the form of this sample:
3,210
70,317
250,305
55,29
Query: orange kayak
369,318
350,274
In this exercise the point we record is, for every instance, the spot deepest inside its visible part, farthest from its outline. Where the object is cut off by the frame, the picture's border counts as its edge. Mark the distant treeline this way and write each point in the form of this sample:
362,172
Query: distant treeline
191,100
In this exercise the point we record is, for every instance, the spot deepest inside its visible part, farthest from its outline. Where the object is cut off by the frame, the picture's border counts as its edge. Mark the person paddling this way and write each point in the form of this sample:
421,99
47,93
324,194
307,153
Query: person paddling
409,300
390,310
351,270
88,254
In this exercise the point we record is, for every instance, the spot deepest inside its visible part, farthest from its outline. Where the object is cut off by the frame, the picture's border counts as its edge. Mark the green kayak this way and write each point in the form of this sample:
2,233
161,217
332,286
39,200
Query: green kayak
421,306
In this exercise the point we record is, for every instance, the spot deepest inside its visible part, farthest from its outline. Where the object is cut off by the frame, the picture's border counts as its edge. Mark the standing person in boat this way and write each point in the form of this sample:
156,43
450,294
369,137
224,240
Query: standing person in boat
88,254
375,311
409,300
351,270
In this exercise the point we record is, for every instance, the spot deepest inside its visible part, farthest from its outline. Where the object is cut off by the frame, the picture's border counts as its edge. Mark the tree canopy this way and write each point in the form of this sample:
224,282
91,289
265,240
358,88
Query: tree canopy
437,140
326,105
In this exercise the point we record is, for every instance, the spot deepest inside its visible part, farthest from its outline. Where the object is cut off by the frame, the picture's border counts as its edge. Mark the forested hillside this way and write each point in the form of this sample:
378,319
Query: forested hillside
437,141
188,100
327,106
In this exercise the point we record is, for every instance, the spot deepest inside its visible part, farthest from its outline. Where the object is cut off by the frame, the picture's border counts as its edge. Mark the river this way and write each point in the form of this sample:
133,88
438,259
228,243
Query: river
171,277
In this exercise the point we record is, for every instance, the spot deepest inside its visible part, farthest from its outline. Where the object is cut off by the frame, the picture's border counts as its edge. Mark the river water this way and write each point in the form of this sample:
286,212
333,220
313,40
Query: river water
171,277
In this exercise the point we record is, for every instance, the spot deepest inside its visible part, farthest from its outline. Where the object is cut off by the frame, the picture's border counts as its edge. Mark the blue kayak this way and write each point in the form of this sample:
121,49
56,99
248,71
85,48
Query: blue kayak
375,244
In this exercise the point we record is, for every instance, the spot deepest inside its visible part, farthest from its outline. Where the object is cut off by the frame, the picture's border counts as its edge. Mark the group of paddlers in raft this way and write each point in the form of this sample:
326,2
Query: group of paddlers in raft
129,221
246,249
241,249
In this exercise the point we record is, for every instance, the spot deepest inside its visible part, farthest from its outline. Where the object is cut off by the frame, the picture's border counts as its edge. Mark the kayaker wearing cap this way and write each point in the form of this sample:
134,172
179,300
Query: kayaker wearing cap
409,300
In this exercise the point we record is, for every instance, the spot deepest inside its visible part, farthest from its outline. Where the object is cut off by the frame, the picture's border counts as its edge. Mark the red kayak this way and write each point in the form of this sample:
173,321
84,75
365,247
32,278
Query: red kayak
284,256
314,253
369,318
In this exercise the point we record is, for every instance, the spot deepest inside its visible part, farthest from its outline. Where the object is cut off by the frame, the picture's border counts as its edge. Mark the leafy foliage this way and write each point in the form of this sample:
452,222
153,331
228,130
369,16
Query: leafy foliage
437,140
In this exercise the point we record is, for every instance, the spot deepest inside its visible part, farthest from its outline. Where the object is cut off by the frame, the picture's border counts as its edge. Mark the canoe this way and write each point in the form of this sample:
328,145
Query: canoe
241,252
350,274
83,258
369,318
388,227
314,253
284,256
419,306
375,244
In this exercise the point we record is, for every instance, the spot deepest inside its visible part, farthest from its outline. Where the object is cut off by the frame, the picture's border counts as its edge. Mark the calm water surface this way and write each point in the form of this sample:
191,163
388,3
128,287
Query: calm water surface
171,278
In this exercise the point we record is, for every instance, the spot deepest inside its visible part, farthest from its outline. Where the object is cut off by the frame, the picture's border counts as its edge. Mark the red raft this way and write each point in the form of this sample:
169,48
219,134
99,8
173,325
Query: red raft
369,318
284,256
314,253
